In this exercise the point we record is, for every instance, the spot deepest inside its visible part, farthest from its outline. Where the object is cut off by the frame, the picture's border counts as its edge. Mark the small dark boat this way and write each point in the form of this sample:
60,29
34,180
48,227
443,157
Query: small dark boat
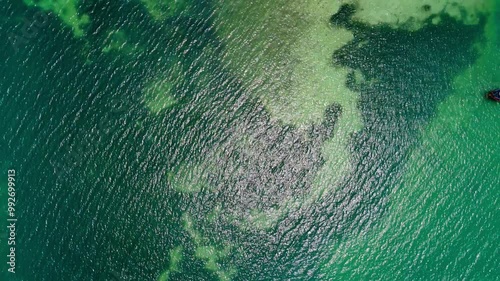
494,95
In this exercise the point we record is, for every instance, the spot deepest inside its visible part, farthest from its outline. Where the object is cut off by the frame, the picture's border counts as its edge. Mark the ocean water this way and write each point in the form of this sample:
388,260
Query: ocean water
217,140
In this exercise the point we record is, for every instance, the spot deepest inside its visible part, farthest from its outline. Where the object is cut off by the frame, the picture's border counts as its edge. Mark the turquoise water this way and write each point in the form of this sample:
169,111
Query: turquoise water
190,143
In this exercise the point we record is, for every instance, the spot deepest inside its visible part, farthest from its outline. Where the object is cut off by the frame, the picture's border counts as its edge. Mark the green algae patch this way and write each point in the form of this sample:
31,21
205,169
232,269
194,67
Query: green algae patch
175,260
117,41
163,9
188,225
66,10
164,276
158,95
212,256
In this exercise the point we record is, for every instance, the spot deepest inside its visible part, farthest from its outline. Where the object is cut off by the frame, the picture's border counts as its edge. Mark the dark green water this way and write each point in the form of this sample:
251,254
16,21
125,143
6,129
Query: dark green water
98,190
